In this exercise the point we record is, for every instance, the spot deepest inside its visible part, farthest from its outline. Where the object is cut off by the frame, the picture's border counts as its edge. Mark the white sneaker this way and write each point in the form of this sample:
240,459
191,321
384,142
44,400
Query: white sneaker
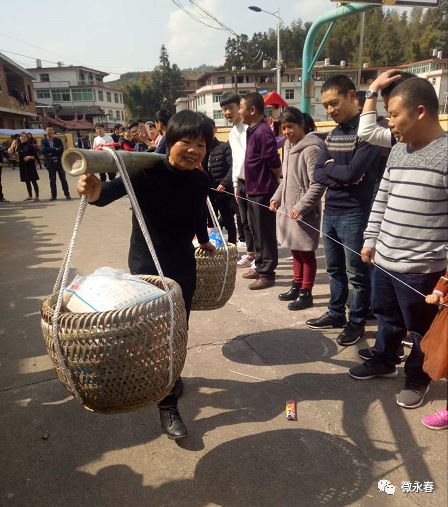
241,244
252,265
245,261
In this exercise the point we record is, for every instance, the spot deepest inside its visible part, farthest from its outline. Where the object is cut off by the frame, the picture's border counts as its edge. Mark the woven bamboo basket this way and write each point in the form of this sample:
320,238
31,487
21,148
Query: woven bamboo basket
119,360
213,286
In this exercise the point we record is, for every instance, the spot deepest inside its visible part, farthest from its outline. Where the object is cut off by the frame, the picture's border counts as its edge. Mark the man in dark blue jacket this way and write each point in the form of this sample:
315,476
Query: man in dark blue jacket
349,169
52,148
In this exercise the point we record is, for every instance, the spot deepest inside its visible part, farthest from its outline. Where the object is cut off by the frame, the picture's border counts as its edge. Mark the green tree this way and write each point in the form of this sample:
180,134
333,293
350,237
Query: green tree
434,30
158,90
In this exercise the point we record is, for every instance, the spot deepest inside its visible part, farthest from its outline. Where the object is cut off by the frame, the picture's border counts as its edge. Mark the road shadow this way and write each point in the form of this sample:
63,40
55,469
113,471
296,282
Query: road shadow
280,467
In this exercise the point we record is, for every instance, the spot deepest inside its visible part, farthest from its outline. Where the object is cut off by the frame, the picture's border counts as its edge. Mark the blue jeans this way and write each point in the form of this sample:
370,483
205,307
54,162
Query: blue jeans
398,310
344,266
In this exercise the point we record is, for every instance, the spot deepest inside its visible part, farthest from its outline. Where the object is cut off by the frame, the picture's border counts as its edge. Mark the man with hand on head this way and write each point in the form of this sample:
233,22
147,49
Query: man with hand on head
407,235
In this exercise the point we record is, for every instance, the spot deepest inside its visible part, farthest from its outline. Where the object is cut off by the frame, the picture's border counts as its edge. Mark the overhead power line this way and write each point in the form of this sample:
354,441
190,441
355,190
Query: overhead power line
214,18
192,16
123,70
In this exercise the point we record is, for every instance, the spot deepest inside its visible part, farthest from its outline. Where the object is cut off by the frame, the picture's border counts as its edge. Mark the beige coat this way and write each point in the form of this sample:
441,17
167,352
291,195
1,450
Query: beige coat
299,191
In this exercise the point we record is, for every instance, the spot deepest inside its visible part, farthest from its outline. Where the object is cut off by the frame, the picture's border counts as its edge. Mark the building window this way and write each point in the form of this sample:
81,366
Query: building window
122,115
116,98
61,95
217,96
90,78
100,95
111,114
44,78
82,77
221,80
289,94
86,94
121,99
43,94
217,114
117,115
109,97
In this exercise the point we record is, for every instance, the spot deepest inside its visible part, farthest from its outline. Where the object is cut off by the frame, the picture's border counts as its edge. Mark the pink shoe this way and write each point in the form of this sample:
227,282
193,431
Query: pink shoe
245,261
437,421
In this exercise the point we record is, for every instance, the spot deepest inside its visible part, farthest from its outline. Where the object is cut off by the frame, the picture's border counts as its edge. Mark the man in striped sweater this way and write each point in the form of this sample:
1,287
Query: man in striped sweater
407,235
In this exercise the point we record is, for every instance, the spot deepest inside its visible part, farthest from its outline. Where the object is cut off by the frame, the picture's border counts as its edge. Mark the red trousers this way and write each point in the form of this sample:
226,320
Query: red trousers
305,267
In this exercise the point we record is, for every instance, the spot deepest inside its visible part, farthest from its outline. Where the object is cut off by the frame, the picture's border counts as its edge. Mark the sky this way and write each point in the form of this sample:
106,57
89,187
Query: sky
118,36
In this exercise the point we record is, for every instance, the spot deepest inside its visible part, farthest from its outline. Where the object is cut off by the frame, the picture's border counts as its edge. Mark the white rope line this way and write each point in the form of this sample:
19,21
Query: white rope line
226,246
59,286
141,221
329,237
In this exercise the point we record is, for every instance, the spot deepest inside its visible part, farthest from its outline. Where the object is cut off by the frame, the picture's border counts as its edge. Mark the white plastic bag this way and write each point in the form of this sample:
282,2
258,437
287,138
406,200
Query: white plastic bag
108,289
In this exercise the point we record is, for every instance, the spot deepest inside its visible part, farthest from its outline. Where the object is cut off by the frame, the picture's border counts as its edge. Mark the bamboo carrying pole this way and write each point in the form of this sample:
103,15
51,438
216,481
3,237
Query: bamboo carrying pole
76,161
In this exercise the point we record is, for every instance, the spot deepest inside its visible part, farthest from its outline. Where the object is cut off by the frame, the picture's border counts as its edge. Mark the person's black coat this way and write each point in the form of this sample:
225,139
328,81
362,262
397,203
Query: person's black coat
219,164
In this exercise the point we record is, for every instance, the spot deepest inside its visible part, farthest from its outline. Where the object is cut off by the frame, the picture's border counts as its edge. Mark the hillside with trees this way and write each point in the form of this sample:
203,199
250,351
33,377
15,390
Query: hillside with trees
389,39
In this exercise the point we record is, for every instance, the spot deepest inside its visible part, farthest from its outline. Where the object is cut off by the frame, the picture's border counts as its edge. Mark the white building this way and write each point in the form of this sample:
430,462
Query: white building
211,85
77,93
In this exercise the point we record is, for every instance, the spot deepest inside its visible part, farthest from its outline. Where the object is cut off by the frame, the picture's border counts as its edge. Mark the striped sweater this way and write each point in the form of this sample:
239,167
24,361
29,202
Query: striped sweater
408,224
351,178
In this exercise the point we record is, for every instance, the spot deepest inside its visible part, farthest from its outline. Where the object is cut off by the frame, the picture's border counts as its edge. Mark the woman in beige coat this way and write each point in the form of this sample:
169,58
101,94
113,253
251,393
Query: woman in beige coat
299,196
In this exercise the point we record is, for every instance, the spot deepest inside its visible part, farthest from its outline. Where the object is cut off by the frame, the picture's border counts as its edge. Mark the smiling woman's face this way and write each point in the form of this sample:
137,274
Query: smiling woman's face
187,153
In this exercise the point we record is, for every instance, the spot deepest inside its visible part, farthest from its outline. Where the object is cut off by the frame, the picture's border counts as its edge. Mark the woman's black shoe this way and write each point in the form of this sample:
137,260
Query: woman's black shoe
292,294
172,423
305,300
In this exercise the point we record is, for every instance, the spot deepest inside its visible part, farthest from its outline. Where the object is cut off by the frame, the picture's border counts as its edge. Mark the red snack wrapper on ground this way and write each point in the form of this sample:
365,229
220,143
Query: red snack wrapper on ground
291,411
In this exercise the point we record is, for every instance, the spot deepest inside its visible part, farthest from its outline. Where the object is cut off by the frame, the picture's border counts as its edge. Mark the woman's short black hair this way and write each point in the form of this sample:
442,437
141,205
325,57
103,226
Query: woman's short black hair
294,115
190,125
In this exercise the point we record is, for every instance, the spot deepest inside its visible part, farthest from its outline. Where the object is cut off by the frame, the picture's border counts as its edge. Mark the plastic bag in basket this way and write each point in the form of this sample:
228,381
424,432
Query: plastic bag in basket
108,289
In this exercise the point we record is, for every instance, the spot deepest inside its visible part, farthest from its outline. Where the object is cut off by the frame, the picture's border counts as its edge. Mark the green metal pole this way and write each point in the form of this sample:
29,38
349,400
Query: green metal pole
307,60
322,44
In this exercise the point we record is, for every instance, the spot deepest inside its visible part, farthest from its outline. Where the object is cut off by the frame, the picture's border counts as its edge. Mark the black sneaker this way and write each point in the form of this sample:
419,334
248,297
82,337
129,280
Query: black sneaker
326,321
412,395
350,334
172,423
371,369
367,354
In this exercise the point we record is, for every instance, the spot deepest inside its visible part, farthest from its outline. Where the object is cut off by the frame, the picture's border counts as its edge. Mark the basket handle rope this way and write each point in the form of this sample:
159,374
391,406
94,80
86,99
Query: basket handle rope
62,277
226,246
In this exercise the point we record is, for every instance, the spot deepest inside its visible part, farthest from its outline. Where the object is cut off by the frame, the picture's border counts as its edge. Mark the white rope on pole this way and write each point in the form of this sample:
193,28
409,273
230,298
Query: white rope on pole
226,246
59,286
